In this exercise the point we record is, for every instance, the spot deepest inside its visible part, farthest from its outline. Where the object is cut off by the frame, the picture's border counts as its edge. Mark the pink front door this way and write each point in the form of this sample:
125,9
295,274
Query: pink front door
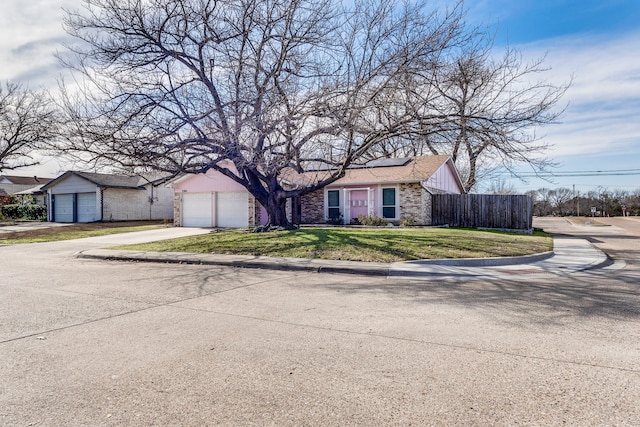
358,203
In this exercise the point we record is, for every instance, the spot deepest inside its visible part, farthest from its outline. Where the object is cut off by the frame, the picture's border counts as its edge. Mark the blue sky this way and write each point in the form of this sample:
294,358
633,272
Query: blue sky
526,21
595,42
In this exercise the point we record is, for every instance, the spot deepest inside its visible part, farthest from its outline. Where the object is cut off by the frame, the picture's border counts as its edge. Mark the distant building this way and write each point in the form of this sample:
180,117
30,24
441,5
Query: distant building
87,197
12,184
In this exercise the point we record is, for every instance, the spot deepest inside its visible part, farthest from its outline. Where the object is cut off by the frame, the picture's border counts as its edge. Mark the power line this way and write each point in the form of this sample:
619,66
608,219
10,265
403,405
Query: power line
619,172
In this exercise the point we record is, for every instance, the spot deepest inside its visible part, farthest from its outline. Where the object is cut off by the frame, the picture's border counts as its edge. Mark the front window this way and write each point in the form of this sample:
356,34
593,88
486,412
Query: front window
389,203
333,197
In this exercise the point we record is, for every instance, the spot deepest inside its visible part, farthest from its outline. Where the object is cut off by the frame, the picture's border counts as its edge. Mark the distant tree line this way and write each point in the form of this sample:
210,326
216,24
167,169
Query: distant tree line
565,202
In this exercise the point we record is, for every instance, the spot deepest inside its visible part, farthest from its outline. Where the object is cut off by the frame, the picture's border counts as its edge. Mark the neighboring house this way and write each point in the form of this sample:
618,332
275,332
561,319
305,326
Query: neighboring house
394,189
214,200
88,197
37,193
12,184
5,198
398,190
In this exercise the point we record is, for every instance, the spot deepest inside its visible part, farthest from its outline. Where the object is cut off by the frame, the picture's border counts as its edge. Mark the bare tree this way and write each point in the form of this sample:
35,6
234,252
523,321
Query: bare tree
560,199
542,202
485,111
28,121
267,86
632,203
501,186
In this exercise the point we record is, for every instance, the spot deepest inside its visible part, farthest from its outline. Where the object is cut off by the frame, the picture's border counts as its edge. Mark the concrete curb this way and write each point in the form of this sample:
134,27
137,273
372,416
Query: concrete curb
241,261
308,265
482,262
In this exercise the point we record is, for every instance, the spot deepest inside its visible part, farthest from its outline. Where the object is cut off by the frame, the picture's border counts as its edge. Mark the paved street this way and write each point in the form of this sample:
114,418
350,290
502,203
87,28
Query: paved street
94,342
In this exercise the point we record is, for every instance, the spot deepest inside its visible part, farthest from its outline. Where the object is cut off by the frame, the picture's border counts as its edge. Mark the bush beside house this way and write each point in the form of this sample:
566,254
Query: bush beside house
25,211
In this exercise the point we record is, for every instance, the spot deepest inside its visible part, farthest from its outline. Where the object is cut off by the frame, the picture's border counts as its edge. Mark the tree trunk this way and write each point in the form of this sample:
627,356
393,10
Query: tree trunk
273,199
276,207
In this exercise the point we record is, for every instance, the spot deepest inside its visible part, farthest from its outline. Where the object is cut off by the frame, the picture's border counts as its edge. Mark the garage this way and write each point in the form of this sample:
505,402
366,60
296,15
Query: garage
80,207
86,207
232,209
197,209
212,199
228,209
63,208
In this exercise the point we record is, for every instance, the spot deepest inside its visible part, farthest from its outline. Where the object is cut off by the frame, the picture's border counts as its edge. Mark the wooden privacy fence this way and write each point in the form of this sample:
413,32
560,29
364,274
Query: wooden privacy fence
511,212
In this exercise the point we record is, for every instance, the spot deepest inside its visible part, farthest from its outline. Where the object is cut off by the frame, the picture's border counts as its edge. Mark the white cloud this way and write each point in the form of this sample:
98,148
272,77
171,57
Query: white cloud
604,99
30,34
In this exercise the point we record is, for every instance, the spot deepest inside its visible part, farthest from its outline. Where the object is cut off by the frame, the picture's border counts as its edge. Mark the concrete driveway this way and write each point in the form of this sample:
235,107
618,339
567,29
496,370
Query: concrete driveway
88,342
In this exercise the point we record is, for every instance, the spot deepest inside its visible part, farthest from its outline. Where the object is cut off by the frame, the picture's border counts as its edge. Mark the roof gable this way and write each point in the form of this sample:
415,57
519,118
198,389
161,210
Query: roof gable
383,171
416,169
24,180
101,180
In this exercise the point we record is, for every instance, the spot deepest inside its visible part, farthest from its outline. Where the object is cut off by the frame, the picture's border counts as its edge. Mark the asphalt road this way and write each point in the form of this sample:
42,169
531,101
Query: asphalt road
88,342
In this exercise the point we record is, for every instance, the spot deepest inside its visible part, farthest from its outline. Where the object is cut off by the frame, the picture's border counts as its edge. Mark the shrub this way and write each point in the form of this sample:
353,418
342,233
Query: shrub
27,211
34,212
408,222
11,211
339,220
372,220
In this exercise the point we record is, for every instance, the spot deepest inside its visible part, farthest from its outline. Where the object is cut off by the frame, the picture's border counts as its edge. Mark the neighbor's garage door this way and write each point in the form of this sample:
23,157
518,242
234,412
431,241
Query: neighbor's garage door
63,208
232,209
86,207
197,210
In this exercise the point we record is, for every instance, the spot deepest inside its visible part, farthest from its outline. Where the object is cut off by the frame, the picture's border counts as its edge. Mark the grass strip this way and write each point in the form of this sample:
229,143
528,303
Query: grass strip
359,244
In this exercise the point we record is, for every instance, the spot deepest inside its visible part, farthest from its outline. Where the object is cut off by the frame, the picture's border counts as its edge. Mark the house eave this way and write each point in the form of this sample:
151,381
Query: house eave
375,183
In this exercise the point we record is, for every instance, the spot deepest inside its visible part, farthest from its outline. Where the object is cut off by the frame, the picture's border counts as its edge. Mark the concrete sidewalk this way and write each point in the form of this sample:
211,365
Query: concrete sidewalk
569,255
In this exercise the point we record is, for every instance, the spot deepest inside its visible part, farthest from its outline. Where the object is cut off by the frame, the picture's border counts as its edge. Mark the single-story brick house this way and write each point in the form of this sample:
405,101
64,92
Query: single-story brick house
394,189
88,197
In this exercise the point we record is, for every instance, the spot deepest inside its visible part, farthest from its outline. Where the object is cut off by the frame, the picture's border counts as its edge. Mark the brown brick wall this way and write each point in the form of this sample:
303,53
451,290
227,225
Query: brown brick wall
313,208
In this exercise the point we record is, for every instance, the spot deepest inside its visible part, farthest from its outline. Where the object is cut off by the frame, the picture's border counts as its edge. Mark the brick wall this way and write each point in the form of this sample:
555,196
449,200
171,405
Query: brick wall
313,208
177,209
411,202
427,206
131,205
415,203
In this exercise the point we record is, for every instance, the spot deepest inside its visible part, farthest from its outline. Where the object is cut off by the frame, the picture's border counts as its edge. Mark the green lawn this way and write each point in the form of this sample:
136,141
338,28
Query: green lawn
360,244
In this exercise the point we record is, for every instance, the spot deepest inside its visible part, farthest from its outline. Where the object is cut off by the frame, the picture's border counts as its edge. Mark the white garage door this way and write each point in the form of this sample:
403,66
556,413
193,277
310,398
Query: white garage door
197,210
232,209
86,207
63,208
